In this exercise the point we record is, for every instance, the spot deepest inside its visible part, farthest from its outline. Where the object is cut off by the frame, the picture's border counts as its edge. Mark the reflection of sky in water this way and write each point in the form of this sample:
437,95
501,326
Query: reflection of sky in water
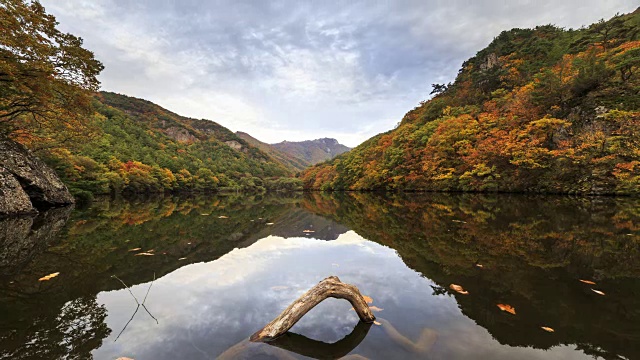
205,308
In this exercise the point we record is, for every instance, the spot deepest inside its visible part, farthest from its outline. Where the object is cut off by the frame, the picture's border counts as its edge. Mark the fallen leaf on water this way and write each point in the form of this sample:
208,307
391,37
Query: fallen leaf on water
150,251
184,258
308,231
134,249
48,277
597,292
459,289
367,299
144,254
587,282
269,224
223,217
507,308
205,214
547,329
479,265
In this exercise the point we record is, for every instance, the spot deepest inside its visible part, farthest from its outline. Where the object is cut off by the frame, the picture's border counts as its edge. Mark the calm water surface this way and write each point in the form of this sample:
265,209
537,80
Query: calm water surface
225,266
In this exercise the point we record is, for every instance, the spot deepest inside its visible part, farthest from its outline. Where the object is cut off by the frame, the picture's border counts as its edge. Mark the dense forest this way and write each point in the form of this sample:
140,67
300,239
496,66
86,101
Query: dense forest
538,110
133,145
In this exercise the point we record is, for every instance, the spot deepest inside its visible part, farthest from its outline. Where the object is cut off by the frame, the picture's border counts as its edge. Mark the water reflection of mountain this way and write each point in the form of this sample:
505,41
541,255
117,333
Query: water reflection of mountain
179,231
533,251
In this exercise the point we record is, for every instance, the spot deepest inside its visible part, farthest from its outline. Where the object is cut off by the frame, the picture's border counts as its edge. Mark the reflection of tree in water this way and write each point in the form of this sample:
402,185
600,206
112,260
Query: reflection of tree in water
533,250
73,333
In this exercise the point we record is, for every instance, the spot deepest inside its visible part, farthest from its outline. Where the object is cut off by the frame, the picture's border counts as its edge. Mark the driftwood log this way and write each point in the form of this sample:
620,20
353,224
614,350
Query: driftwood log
329,287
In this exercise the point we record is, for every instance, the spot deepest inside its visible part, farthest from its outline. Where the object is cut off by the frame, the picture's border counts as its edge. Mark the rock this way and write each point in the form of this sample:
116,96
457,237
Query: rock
38,181
234,145
13,200
180,134
21,238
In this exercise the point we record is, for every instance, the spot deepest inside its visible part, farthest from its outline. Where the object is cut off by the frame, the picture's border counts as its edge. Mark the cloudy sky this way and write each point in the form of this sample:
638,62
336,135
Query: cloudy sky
298,70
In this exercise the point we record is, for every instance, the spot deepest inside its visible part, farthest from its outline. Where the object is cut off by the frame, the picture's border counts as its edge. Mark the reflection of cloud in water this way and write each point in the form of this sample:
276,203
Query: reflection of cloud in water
206,308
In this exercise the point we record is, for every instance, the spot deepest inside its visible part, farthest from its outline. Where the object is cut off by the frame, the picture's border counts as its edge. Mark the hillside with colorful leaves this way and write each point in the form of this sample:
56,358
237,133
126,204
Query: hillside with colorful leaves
130,145
544,110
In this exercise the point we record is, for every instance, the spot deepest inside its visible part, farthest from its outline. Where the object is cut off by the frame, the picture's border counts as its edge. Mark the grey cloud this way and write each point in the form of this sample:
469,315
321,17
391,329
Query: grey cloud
341,69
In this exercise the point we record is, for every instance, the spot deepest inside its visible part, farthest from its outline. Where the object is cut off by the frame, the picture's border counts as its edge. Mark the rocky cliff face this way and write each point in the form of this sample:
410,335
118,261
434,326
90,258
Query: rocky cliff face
27,183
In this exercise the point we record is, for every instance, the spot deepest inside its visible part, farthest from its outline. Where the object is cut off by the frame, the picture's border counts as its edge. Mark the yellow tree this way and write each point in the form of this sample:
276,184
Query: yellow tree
46,76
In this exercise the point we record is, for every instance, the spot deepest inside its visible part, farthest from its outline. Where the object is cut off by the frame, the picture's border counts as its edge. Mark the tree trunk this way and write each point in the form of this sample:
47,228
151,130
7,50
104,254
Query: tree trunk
329,287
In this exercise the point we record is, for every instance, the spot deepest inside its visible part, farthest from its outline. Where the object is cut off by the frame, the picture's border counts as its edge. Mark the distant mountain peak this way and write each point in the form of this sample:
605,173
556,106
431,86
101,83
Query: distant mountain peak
299,154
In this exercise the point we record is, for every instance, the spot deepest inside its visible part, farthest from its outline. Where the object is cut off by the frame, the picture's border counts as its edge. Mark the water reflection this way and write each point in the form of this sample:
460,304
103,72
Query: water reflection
403,251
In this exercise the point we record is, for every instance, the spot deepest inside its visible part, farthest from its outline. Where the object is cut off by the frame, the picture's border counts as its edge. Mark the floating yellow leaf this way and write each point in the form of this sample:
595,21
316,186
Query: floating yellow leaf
547,329
587,282
48,277
597,292
479,265
269,224
144,254
507,308
308,231
205,214
459,289
377,323
367,299
135,249
223,217
184,258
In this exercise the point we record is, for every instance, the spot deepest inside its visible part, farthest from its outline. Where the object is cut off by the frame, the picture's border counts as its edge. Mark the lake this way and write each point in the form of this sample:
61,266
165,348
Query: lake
211,270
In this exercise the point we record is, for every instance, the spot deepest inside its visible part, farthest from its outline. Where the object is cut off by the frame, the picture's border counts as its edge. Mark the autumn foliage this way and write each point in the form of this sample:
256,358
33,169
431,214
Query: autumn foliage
538,110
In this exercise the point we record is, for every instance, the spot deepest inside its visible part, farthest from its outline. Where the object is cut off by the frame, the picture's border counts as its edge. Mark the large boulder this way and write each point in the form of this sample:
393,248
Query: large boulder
26,182
13,199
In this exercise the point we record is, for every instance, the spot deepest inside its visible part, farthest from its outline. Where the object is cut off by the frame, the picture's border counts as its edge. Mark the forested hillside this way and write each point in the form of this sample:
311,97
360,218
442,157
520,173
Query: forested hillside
133,145
538,110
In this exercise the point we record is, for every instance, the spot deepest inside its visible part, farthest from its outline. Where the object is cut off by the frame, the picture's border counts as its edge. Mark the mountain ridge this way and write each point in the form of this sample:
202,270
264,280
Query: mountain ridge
543,110
298,155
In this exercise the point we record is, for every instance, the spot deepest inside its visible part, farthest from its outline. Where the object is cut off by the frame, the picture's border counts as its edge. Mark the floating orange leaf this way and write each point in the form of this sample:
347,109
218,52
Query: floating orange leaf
547,329
135,249
367,299
587,282
48,277
459,289
597,292
507,308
